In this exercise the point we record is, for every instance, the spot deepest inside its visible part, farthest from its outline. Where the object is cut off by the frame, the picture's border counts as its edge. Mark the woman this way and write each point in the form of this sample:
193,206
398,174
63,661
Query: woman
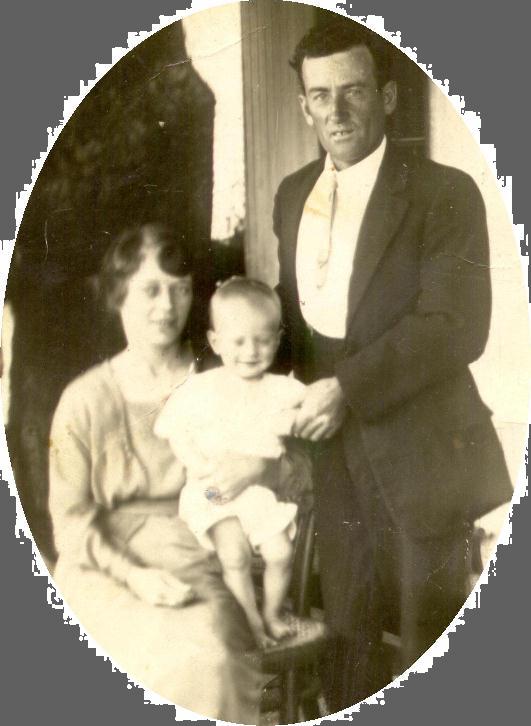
128,567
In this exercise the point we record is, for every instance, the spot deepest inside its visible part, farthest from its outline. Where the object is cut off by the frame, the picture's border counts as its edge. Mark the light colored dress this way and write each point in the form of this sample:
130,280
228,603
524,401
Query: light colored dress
114,496
215,413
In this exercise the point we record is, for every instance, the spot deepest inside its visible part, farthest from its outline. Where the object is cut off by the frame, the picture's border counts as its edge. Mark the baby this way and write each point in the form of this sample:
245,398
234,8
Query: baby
239,408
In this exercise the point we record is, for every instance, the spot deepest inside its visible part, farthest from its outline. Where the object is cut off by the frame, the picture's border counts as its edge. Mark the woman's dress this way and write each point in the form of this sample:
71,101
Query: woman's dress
114,497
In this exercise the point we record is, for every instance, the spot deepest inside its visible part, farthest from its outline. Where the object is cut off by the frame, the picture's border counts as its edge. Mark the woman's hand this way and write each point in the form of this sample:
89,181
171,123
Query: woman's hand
225,478
158,587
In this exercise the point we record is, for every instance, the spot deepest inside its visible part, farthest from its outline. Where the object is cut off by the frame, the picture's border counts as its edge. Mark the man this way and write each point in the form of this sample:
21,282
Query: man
384,277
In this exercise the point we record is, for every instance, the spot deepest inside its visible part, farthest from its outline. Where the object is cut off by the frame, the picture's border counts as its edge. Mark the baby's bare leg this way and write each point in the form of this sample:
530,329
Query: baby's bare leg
277,554
234,554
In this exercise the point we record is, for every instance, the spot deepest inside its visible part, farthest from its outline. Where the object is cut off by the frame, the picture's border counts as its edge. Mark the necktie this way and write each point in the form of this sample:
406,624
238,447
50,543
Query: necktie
325,246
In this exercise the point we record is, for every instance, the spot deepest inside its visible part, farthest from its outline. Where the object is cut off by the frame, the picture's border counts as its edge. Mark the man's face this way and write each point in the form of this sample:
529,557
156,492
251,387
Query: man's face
341,100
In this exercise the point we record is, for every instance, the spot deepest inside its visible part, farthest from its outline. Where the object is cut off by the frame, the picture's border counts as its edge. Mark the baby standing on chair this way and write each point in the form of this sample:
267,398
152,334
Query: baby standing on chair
239,408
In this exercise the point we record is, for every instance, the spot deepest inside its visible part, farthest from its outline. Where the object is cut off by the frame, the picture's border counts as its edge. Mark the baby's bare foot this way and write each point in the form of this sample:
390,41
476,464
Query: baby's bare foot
279,628
263,639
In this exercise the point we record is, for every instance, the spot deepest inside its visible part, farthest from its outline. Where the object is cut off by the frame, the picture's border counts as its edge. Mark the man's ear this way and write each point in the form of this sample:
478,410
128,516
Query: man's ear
389,97
305,111
213,340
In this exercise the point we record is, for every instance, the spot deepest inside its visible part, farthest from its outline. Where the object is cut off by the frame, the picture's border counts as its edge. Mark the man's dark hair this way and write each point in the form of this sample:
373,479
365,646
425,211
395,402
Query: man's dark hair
338,36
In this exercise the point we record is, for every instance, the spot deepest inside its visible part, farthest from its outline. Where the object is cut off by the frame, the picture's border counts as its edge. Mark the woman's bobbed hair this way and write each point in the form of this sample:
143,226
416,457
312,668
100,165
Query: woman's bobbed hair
126,253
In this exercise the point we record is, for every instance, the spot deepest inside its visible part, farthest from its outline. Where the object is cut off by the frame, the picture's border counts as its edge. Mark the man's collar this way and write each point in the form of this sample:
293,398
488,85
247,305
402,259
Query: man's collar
367,167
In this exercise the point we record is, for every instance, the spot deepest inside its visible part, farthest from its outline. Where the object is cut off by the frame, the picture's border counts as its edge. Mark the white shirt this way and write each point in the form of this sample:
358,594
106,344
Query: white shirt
324,307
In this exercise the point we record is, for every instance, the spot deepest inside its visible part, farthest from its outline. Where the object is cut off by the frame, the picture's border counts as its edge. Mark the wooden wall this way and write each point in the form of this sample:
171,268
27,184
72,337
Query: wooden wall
277,141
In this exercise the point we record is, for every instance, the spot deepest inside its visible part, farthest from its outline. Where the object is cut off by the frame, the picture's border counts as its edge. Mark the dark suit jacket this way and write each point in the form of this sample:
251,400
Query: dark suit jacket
419,313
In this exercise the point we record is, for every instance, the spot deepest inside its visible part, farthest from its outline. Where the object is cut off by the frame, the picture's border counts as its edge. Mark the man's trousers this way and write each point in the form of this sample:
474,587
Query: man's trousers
375,578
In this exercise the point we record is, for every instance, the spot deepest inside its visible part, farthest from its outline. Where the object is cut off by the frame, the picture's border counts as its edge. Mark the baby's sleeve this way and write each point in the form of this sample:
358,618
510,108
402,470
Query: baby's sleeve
176,415
180,422
290,397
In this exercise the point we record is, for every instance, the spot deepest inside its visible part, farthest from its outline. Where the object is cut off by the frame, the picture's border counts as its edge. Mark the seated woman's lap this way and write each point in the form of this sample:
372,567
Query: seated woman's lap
165,542
173,651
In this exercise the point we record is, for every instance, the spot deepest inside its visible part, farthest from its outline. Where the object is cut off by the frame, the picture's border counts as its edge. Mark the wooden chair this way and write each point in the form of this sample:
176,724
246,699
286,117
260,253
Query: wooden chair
294,692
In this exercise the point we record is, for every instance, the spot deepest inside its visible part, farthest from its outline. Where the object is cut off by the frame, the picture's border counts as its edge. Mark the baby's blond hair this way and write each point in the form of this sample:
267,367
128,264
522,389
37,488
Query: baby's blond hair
251,291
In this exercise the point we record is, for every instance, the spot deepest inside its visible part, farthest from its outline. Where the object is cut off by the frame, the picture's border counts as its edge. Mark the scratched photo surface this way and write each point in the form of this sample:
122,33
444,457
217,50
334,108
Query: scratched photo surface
181,149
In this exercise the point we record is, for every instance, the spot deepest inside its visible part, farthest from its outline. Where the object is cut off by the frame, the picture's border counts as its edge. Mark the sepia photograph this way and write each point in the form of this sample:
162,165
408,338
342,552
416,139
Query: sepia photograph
265,362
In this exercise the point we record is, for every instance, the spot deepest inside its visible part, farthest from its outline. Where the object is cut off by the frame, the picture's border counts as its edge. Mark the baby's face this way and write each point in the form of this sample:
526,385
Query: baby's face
245,337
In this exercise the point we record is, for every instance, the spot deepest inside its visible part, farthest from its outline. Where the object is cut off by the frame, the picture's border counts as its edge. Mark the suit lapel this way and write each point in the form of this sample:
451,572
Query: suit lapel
385,210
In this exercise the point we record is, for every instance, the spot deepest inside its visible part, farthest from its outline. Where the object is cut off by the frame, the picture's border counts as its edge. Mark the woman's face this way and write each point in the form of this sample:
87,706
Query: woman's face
156,306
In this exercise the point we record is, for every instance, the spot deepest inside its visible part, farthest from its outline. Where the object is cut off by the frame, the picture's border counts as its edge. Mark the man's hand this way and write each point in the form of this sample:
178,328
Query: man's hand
225,478
322,412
